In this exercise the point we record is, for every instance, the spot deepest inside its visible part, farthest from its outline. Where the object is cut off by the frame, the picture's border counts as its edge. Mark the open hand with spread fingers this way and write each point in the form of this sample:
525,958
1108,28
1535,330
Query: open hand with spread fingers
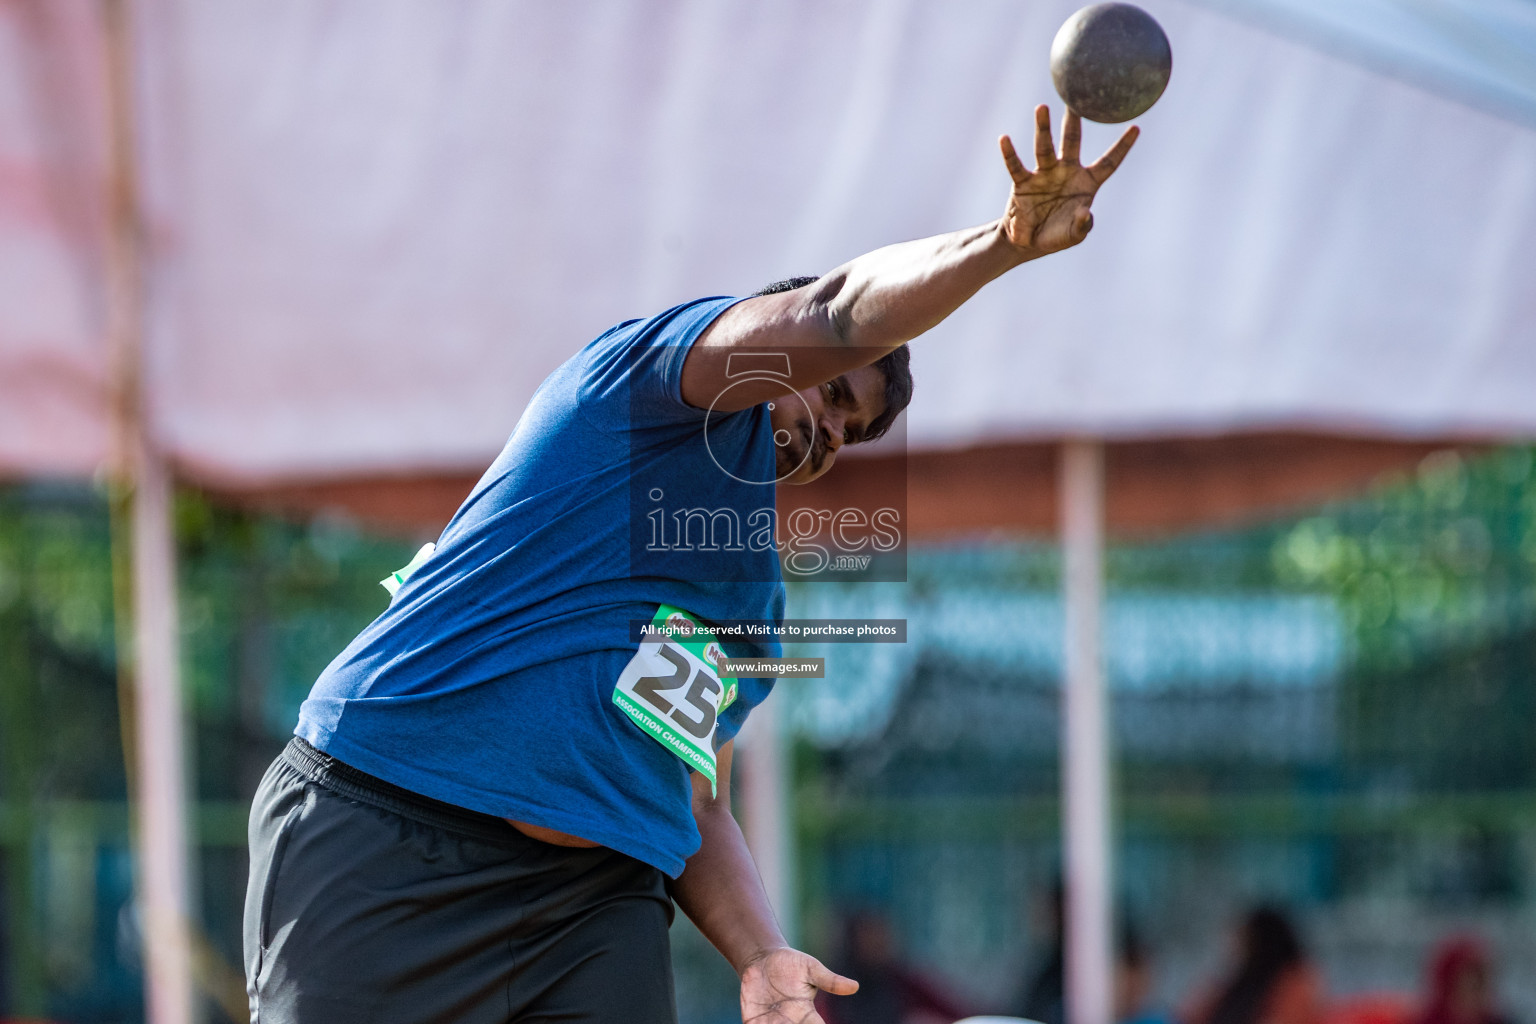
1049,208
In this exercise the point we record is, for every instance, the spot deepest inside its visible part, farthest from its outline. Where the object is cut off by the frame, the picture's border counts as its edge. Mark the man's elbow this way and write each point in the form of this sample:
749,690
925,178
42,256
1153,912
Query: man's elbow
708,809
830,303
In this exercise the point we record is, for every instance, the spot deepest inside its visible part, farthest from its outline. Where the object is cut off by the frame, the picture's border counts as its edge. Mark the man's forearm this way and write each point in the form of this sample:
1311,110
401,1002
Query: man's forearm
852,316
894,294
871,305
723,896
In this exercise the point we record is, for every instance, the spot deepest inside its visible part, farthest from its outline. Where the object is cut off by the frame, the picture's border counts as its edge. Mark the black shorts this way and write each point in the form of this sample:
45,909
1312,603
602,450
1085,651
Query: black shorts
369,903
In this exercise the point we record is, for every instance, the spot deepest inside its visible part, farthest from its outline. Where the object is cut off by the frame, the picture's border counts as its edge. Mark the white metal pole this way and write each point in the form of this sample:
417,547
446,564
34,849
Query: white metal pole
162,825
159,785
765,807
1085,750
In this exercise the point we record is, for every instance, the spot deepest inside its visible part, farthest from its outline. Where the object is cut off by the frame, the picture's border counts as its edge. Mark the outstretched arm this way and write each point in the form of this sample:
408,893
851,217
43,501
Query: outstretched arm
721,893
869,306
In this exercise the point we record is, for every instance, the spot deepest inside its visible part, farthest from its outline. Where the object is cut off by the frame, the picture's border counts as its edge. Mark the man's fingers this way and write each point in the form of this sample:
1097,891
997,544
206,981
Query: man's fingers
1105,165
833,983
1016,168
1071,137
1045,149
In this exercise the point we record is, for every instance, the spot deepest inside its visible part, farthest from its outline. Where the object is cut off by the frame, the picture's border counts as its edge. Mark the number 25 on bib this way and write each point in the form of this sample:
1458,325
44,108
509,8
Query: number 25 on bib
672,688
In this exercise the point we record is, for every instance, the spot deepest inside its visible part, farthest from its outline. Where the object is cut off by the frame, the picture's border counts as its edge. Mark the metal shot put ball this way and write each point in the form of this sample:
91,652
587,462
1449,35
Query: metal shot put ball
1111,62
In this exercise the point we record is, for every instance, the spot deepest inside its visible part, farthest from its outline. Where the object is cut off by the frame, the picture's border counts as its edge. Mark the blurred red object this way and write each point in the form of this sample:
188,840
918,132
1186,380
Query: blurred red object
1461,984
1373,1008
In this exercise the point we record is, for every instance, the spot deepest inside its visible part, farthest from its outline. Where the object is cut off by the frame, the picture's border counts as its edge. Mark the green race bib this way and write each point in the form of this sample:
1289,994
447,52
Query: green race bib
673,689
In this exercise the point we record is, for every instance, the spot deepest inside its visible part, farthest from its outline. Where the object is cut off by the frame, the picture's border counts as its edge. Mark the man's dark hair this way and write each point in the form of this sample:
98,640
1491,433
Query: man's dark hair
896,365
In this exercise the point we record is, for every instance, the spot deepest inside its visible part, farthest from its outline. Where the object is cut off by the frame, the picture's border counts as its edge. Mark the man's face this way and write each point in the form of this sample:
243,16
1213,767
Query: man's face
831,415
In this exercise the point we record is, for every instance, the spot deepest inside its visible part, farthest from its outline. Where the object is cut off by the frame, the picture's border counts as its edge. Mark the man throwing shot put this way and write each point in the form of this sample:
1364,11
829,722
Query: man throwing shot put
498,791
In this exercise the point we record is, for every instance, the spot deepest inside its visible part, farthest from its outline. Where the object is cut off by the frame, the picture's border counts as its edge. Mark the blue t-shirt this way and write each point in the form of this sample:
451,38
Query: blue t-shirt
488,681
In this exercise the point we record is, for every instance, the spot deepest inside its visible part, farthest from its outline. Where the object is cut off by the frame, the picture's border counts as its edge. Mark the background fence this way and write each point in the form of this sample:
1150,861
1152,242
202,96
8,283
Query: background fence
1335,710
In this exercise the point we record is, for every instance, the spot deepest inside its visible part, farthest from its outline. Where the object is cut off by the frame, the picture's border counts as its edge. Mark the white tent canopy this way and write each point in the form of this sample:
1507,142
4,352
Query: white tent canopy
373,227
369,228
1480,51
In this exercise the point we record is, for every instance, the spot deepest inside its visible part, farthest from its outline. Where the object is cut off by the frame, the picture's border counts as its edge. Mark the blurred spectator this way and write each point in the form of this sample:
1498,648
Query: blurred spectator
1044,996
1271,983
890,992
1460,986
1133,981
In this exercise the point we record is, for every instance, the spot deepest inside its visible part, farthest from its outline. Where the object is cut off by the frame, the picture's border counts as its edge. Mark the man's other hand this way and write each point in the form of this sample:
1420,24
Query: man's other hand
780,986
1049,208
